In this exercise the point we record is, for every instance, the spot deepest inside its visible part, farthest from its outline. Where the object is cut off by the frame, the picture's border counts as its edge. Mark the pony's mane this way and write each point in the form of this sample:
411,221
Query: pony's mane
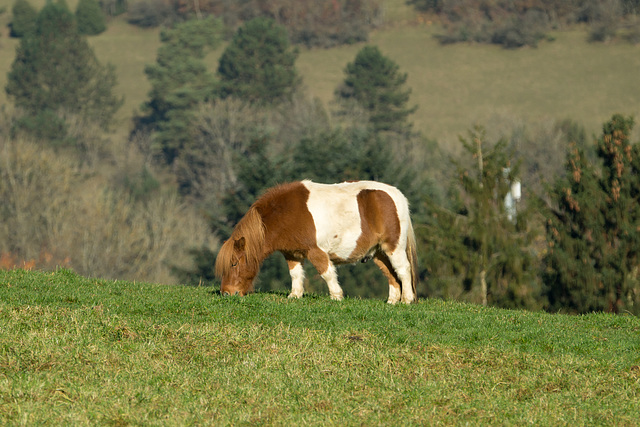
252,229
275,193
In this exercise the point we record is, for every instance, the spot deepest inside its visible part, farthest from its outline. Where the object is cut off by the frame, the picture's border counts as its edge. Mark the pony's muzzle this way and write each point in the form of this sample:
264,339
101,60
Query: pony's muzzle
227,293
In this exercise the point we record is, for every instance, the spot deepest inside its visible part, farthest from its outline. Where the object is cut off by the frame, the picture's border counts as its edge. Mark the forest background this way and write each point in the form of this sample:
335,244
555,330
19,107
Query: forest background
144,185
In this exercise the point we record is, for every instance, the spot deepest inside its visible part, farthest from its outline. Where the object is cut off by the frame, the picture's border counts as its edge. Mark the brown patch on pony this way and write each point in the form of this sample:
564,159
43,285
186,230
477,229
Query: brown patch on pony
320,260
289,224
247,239
379,223
383,263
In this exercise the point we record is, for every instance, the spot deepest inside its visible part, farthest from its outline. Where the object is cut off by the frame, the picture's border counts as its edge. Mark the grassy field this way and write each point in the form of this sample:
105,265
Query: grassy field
84,351
455,86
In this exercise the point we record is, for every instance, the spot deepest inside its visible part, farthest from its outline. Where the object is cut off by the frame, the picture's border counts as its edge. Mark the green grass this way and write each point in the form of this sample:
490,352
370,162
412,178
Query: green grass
86,351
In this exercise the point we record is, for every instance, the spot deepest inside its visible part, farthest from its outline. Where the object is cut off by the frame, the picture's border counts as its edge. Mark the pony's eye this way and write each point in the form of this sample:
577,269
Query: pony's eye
234,264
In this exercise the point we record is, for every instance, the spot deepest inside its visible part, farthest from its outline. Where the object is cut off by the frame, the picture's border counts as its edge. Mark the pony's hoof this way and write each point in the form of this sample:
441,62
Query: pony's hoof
296,296
336,297
392,301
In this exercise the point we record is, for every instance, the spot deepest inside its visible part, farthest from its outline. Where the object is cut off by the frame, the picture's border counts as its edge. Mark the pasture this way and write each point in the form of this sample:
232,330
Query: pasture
82,351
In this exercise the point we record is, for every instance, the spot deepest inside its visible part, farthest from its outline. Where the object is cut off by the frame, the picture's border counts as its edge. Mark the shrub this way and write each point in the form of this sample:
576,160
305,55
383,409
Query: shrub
89,18
51,212
114,7
602,32
149,13
520,31
633,33
24,18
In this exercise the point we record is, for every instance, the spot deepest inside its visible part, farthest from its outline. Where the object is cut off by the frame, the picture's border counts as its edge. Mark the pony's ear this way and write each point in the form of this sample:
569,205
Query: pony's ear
238,244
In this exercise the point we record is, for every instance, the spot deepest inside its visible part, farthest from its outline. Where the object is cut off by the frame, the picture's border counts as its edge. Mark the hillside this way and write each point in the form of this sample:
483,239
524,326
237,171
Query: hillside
85,351
454,86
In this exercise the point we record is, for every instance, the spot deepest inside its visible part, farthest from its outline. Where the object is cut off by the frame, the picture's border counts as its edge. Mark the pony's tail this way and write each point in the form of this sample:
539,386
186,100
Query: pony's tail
412,255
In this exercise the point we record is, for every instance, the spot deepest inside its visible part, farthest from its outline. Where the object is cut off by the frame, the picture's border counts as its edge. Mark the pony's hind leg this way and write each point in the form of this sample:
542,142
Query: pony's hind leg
383,263
297,278
402,268
327,270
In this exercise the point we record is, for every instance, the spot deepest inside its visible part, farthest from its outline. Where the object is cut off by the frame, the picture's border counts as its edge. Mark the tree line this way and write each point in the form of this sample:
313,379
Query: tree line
518,23
307,22
327,23
207,143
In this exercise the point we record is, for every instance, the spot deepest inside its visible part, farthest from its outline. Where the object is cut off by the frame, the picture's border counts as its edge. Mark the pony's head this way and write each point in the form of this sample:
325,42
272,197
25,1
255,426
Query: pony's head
239,258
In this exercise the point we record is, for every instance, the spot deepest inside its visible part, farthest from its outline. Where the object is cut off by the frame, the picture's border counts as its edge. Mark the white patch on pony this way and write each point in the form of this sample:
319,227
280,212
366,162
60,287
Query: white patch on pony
394,295
401,265
334,208
297,280
331,277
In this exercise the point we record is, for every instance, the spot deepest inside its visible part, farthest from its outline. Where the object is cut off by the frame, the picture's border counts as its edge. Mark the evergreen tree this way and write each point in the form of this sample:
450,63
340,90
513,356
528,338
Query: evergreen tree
497,235
361,156
259,64
24,18
179,82
594,233
56,72
90,18
375,83
481,243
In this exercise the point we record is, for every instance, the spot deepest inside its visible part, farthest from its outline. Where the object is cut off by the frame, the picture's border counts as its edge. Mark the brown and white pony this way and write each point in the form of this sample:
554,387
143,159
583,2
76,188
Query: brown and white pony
328,225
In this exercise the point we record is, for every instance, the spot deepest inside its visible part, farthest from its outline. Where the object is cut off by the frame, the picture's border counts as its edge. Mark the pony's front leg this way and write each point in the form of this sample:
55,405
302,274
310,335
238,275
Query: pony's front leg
327,270
297,278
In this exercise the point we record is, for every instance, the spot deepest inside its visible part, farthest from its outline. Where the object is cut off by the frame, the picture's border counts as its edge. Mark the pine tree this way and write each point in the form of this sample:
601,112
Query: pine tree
478,249
571,276
24,18
498,238
594,234
376,84
90,18
259,64
179,82
56,72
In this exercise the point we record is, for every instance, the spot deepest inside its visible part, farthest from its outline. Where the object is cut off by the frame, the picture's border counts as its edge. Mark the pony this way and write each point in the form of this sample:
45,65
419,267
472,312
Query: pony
329,225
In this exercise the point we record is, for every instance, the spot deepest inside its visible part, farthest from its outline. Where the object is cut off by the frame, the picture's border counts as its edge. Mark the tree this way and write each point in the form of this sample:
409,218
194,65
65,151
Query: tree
206,168
90,18
24,18
259,65
594,232
179,82
55,72
150,13
480,242
114,7
375,83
